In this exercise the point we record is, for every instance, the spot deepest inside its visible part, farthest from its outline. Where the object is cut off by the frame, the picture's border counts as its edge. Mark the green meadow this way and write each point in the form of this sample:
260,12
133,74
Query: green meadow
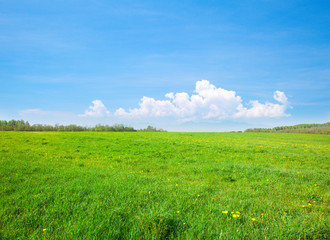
138,185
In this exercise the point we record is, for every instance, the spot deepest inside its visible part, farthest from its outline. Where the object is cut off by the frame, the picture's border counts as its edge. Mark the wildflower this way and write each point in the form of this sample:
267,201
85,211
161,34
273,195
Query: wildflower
177,212
149,192
309,204
176,184
237,212
253,219
184,223
225,212
198,195
235,215
303,206
45,229
232,212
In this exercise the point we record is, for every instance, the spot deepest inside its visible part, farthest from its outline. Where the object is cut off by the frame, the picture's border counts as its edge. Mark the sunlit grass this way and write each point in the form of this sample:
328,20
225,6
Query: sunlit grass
164,186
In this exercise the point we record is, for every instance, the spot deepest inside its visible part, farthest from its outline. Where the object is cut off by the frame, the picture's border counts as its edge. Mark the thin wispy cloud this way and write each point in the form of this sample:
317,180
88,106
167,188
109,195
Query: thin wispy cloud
34,111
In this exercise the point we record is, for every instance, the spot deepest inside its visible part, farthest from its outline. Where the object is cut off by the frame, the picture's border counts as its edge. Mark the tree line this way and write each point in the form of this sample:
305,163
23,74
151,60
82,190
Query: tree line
21,125
314,128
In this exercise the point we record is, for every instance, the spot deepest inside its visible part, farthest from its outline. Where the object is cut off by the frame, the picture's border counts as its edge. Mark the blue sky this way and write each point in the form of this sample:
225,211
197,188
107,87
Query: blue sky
177,65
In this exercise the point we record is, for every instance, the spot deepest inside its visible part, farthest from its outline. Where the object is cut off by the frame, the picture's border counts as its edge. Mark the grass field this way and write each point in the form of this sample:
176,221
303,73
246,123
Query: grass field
164,185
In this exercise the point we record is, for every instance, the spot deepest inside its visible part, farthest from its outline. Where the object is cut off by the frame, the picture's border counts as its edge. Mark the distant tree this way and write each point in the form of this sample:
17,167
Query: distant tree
300,128
21,125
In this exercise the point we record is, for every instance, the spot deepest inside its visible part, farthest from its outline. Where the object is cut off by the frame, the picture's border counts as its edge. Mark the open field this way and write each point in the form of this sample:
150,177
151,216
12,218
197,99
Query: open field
164,185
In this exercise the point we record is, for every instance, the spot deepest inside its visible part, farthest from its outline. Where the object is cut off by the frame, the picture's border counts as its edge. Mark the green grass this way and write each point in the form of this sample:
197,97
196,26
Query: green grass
163,185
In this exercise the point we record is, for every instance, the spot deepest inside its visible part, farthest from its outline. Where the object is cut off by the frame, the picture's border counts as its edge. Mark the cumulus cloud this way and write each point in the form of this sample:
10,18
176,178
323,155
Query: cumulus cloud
280,97
97,110
208,102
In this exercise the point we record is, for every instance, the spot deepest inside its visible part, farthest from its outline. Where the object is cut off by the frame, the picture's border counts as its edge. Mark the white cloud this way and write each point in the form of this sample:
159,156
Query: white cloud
280,97
97,110
267,109
209,102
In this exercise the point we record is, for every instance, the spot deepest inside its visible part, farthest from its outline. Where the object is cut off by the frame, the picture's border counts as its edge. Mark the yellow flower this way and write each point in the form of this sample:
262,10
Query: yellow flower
184,223
303,206
44,229
198,195
225,212
176,184
232,212
178,212
253,219
237,212
235,215
149,192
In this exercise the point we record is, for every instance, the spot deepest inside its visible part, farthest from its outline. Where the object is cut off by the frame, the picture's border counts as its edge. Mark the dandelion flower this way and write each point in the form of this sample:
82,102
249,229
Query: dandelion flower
235,215
198,195
225,212
176,184
149,192
45,229
177,211
253,219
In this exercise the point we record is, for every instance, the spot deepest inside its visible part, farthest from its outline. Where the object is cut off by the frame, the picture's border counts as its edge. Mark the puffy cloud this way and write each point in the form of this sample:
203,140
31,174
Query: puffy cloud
280,97
149,107
97,110
209,102
267,109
